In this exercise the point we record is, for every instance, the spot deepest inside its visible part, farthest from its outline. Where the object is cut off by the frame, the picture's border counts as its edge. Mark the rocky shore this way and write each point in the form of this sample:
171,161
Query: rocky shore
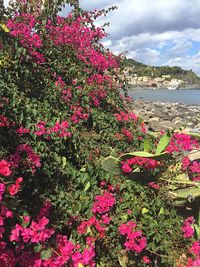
161,116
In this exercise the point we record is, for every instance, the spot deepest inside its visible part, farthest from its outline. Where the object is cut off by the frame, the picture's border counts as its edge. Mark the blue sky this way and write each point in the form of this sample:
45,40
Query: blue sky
157,32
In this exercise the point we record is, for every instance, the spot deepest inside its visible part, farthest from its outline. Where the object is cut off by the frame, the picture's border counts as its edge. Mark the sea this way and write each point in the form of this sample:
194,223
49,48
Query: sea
184,96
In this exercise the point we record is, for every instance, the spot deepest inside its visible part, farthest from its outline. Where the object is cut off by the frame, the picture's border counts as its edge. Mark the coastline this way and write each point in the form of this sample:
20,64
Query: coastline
135,88
160,116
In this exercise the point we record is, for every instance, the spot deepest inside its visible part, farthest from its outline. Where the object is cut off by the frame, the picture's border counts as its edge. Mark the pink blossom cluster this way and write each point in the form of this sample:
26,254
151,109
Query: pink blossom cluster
181,142
80,37
22,26
192,167
146,260
195,249
103,203
98,225
4,122
5,213
66,91
134,240
145,163
154,185
22,130
60,129
97,96
15,188
101,207
126,116
99,79
187,227
78,114
35,233
5,168
67,253
127,134
32,160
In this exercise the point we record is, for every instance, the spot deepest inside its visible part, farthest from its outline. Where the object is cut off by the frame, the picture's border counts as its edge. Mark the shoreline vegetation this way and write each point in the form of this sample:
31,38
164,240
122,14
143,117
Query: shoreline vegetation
140,75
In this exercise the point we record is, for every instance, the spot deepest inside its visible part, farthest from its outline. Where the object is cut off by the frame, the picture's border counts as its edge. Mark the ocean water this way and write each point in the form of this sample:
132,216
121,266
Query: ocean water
188,97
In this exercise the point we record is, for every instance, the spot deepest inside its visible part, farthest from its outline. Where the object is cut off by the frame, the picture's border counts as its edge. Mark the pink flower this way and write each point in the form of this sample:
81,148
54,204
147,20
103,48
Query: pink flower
2,190
195,249
14,188
146,260
126,167
154,185
187,228
134,239
103,203
5,168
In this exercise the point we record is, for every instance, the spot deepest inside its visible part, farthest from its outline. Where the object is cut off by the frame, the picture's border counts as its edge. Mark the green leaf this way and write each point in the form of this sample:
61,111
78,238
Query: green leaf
144,210
197,230
147,145
46,254
162,211
123,260
64,162
186,193
110,164
37,248
163,143
87,187
144,154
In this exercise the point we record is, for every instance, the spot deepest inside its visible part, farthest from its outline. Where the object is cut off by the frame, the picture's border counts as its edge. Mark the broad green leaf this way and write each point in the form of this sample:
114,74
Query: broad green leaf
197,229
144,154
163,143
186,193
182,177
110,164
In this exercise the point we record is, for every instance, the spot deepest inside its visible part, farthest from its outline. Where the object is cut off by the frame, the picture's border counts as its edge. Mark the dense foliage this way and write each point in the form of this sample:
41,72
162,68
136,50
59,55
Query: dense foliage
82,183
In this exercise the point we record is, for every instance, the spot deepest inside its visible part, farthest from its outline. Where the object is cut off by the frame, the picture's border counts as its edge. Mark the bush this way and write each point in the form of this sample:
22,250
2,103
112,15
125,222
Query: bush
82,181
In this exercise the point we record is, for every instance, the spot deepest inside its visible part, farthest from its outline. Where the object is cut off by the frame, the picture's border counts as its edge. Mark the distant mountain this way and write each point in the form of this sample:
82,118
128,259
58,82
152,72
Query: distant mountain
140,69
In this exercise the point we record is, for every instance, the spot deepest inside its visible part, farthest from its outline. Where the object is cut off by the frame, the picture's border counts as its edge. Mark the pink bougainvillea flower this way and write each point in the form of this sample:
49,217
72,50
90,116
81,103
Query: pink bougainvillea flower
5,168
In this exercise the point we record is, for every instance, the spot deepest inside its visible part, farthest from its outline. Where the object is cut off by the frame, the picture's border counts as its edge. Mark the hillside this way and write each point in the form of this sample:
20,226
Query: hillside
138,69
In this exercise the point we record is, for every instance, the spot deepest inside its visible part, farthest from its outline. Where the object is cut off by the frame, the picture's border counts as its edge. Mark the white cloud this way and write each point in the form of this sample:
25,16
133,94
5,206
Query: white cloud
154,32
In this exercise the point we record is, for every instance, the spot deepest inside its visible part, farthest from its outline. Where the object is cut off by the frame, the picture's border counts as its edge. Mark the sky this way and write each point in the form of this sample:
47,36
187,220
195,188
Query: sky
157,32
154,32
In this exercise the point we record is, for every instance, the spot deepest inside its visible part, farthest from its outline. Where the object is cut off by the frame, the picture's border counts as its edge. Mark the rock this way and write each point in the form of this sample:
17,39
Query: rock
161,116
155,125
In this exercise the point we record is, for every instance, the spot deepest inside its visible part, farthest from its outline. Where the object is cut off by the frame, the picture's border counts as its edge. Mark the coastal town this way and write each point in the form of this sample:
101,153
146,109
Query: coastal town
139,75
165,81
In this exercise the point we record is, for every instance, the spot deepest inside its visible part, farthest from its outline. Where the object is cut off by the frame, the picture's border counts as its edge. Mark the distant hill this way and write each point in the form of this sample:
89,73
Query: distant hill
140,69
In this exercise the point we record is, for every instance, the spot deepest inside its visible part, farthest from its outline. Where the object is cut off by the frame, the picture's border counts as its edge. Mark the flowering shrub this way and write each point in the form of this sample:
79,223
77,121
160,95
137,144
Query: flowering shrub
61,114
